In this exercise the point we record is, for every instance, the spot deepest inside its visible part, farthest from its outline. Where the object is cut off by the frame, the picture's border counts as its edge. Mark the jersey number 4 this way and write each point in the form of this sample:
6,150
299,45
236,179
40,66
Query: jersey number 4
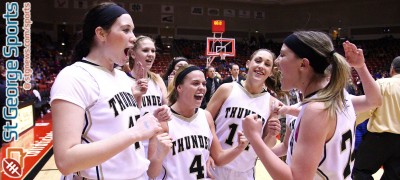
131,124
196,167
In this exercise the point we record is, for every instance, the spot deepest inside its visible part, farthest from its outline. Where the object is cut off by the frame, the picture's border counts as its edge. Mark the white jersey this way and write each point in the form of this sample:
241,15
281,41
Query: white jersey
290,120
152,99
337,158
236,107
191,142
109,108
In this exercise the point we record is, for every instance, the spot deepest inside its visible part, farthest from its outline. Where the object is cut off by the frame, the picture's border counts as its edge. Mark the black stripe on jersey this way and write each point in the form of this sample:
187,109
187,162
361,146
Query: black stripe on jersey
173,111
85,140
88,62
97,173
322,174
86,124
165,174
263,91
324,157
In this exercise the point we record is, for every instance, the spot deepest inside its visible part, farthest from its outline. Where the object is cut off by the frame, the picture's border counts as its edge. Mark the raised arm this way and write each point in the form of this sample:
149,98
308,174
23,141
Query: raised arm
72,156
372,97
220,156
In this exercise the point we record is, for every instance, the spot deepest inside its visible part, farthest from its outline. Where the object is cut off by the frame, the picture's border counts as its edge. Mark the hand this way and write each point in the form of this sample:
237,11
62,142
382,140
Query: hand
274,127
252,127
210,165
277,106
141,83
242,140
164,144
163,113
354,56
147,126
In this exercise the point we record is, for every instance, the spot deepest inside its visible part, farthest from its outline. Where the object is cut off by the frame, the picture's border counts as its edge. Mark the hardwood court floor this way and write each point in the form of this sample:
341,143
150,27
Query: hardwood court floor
50,172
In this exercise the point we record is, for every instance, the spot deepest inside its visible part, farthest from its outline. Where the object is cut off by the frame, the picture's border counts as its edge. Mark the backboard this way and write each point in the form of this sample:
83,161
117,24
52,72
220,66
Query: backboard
224,47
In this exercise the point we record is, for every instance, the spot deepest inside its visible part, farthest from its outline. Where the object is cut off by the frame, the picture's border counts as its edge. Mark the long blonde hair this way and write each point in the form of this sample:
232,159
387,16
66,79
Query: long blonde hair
332,95
138,43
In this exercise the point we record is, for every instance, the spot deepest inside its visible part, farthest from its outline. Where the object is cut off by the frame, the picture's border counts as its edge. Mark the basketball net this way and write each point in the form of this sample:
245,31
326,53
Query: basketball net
210,59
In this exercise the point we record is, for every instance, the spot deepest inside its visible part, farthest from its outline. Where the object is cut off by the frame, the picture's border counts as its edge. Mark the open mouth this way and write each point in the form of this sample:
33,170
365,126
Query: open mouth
259,73
198,97
128,51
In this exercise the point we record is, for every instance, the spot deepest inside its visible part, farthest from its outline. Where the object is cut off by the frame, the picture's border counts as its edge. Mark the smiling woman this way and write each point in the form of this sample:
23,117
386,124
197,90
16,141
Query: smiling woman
150,91
192,128
234,101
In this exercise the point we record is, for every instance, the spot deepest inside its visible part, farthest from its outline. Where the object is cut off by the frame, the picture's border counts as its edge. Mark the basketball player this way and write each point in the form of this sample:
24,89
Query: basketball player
96,133
192,132
322,141
173,66
234,101
154,94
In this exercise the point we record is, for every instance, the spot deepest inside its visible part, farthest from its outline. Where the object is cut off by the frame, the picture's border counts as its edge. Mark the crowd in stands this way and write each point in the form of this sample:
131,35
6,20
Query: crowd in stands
49,57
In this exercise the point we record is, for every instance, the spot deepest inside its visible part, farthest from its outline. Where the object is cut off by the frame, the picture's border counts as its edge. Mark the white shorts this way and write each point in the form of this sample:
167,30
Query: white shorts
221,173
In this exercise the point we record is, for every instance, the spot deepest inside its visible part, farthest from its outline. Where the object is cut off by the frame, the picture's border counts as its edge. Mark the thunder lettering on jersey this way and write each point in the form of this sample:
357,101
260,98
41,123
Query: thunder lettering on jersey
239,113
189,142
337,158
237,106
109,108
121,101
190,151
152,99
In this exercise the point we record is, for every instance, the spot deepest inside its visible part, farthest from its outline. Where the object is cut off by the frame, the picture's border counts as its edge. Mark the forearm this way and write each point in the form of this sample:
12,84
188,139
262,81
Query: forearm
155,167
270,140
226,156
275,166
280,149
138,99
84,156
371,88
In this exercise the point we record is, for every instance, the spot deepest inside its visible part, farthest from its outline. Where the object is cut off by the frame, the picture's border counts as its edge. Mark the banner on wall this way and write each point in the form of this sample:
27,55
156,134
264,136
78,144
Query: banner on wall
167,18
259,15
136,7
229,13
80,4
197,11
61,3
213,11
167,9
244,13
